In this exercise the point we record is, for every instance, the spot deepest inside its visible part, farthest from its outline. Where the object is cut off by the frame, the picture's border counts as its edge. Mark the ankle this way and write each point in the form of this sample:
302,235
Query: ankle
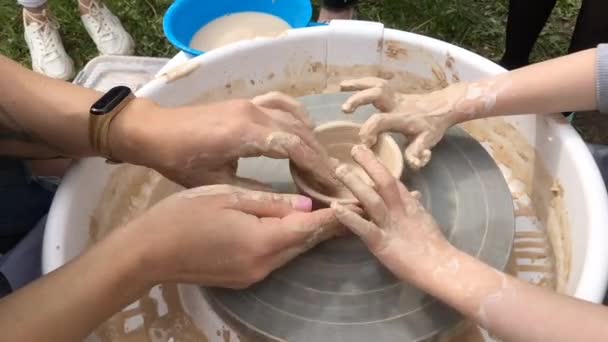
84,6
326,14
36,10
38,14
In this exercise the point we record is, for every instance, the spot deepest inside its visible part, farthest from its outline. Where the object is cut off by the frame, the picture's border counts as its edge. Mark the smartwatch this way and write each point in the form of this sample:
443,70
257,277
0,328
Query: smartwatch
101,115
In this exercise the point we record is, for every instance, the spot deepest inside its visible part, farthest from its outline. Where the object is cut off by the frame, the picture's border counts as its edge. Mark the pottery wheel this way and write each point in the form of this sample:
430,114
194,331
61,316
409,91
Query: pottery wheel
339,291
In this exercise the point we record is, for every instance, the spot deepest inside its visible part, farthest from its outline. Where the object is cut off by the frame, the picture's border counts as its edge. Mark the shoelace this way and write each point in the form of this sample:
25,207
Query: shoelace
102,27
43,36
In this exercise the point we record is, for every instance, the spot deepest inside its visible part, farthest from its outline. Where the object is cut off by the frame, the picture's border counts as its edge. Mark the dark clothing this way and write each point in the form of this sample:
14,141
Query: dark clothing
338,4
22,264
24,202
527,19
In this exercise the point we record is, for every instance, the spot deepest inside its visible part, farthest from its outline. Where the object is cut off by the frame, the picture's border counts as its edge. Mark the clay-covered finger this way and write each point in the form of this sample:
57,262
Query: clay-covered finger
257,203
381,99
363,83
265,204
293,147
280,122
390,122
369,198
385,182
319,163
418,152
277,143
367,231
294,234
304,230
410,200
285,103
376,125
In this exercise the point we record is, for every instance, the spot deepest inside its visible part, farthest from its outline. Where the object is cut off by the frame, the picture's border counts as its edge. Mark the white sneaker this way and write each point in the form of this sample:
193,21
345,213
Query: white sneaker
106,30
46,49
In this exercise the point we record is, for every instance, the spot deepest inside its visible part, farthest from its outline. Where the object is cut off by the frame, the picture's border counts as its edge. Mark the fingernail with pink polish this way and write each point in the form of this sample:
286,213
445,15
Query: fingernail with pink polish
302,203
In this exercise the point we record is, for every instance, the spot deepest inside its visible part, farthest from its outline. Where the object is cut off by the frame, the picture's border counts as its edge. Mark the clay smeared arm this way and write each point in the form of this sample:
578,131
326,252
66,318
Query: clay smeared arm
407,240
559,85
509,308
563,84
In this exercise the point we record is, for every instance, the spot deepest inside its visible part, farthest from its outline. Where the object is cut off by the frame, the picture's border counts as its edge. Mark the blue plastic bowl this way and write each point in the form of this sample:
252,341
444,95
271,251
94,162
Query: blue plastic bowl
185,17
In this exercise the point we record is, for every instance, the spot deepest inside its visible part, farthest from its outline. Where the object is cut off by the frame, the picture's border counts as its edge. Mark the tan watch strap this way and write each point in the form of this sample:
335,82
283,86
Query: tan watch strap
99,130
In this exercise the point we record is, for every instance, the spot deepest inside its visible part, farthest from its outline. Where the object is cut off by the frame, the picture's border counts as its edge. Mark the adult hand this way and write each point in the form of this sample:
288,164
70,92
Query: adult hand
402,234
423,119
201,145
226,236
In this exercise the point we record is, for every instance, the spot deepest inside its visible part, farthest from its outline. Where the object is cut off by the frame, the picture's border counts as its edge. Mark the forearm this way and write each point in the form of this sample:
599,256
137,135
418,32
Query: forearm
559,85
38,111
500,303
42,117
72,301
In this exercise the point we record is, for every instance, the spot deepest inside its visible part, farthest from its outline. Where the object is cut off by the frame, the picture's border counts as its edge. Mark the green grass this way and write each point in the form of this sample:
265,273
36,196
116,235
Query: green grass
477,25
142,18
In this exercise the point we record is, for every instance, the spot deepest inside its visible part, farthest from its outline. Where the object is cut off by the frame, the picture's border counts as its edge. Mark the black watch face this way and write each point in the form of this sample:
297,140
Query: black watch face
110,100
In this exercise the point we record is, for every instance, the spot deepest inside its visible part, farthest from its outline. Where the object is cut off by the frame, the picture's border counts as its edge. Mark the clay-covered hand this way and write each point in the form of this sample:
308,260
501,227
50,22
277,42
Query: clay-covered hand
423,119
201,145
226,236
401,233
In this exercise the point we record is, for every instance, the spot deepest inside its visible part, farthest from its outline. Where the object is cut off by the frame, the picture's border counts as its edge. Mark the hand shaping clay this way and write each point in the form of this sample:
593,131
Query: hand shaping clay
341,152
338,139
423,119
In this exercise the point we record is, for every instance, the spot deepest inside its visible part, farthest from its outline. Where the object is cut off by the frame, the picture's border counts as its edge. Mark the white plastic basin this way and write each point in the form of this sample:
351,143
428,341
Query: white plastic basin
560,176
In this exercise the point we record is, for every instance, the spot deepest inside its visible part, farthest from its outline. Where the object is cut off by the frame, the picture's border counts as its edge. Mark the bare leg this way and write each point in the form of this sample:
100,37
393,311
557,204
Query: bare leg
31,13
526,21
591,26
84,6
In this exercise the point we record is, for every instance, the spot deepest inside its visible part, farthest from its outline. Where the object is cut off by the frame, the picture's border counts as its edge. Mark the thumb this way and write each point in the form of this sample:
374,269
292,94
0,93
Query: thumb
267,204
257,203
305,230
366,230
299,232
377,124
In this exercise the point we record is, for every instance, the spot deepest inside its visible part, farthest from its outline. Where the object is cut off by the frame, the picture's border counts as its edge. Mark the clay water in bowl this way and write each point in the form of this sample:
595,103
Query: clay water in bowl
338,138
196,26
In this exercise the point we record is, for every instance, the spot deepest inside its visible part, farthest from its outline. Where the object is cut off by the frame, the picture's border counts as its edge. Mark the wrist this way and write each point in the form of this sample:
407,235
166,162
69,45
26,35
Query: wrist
471,104
143,261
155,249
122,259
131,131
423,269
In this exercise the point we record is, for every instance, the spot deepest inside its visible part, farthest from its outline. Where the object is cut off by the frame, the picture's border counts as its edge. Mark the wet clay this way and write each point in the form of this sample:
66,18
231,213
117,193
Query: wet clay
542,236
174,325
538,210
158,316
236,27
338,139
341,152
